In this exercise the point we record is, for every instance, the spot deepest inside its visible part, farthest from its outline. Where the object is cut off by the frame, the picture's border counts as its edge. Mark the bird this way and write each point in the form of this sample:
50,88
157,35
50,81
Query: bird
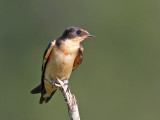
62,56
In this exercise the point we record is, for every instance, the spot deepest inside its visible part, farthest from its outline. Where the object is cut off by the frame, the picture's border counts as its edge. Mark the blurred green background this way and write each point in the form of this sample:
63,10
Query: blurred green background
119,77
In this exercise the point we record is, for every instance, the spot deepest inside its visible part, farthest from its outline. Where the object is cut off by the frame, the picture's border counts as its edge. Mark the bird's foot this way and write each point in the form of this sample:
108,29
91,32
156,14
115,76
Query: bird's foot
54,84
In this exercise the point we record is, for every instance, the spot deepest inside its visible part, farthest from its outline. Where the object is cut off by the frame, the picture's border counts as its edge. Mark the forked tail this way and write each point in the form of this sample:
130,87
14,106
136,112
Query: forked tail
37,89
44,96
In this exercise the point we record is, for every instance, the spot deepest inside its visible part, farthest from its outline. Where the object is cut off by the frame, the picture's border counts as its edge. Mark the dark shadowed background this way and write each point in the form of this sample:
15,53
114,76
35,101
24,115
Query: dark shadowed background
119,77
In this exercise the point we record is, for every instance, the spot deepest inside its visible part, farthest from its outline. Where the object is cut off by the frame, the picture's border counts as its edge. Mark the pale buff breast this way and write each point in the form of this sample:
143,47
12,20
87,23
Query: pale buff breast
60,66
61,63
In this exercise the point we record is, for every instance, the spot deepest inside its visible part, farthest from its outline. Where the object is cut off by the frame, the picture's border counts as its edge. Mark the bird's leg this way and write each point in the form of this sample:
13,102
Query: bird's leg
53,83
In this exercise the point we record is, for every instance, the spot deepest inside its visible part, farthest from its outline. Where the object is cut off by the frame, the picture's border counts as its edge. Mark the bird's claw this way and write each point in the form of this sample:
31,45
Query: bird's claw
54,84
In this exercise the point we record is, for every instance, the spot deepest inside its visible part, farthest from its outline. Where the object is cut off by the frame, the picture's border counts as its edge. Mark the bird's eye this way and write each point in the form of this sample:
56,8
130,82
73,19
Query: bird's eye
79,32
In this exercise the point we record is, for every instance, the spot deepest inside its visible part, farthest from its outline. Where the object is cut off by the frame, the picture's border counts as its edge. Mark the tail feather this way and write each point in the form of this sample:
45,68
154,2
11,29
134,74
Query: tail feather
42,99
47,98
44,96
37,89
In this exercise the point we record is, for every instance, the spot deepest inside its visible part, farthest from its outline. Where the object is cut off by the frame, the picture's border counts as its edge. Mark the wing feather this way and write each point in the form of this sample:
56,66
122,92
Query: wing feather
47,53
79,58
46,56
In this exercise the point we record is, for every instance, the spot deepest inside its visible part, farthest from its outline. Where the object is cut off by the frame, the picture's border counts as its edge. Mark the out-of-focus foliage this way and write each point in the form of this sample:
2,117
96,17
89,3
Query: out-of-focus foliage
119,77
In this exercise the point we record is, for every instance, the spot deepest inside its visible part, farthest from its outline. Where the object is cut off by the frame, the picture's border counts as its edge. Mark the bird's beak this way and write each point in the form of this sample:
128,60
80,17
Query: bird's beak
89,35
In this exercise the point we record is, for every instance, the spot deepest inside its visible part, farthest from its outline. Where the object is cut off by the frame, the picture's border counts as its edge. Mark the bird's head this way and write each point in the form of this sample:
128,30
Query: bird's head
75,34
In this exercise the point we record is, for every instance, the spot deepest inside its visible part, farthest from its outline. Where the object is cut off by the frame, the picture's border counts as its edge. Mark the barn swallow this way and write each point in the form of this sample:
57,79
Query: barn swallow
61,57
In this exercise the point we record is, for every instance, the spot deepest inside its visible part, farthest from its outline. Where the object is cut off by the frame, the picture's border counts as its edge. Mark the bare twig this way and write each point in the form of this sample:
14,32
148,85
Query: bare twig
70,100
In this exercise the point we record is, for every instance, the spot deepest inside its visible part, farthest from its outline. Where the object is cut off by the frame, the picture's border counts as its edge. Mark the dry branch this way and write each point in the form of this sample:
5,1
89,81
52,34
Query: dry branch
70,100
